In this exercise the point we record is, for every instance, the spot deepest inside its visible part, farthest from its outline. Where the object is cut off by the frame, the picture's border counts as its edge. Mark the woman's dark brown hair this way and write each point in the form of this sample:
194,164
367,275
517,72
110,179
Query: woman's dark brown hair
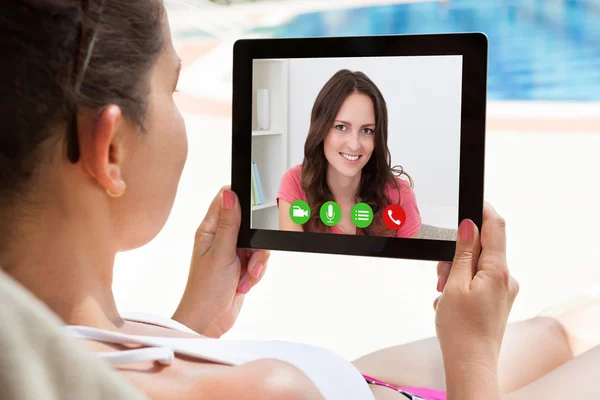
46,52
377,175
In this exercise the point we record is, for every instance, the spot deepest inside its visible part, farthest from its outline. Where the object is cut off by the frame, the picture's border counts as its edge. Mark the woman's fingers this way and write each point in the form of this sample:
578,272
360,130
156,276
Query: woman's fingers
472,311
208,227
228,227
257,265
493,240
466,255
513,288
443,271
468,246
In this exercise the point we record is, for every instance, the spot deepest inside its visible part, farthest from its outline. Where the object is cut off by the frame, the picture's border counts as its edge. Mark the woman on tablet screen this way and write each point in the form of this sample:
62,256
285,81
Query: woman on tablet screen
347,160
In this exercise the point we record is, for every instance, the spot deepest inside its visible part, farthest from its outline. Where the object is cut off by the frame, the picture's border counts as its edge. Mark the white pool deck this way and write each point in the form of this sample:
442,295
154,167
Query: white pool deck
542,174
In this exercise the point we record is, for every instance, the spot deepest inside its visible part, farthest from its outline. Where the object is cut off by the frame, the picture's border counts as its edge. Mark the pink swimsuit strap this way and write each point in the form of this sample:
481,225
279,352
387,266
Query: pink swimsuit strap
409,393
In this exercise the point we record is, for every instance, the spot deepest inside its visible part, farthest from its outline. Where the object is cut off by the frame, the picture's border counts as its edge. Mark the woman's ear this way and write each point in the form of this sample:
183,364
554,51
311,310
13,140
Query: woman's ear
102,148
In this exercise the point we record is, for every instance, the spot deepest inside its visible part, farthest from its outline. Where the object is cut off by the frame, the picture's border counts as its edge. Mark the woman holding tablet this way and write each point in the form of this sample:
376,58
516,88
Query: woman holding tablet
89,167
347,161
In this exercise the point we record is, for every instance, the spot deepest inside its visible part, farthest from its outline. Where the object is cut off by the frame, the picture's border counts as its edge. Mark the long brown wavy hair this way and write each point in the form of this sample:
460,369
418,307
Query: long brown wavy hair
377,175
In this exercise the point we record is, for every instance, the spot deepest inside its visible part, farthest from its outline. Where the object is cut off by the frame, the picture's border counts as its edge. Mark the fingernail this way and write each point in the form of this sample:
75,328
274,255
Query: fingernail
228,199
466,230
244,287
256,270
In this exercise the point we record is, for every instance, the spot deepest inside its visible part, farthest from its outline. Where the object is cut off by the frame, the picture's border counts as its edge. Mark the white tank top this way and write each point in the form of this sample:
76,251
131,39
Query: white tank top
335,377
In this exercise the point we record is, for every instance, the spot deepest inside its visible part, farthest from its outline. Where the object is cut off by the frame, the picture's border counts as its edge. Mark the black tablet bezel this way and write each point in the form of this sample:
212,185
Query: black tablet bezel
473,47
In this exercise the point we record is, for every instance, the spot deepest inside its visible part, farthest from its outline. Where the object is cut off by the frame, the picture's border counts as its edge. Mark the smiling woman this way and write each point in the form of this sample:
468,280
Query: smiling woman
347,160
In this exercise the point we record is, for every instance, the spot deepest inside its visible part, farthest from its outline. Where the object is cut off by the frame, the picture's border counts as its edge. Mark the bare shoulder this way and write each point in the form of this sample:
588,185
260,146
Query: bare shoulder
190,380
262,379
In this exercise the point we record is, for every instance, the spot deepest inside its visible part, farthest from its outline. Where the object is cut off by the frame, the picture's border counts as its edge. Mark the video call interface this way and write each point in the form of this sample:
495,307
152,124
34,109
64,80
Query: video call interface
357,146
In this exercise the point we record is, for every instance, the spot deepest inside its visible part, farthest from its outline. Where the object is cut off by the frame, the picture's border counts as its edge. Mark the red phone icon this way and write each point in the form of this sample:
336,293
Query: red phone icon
394,216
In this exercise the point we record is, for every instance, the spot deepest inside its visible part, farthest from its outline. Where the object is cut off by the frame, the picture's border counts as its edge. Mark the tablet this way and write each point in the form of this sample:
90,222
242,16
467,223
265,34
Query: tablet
366,146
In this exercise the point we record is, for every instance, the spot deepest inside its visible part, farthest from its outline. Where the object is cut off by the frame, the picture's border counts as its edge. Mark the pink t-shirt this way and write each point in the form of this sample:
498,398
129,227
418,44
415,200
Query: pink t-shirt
290,190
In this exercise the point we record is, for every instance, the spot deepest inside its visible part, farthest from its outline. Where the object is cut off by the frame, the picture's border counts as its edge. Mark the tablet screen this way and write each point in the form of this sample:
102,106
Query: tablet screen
366,146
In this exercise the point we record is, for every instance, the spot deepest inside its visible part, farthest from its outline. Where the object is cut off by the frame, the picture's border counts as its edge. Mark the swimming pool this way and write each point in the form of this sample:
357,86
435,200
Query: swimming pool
539,49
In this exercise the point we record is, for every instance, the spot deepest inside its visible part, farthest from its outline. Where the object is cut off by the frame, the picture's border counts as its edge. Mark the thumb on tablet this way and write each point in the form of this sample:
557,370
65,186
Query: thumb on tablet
228,226
464,265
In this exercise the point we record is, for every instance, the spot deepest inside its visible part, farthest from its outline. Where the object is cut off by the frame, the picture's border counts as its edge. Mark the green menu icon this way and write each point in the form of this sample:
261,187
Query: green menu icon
362,215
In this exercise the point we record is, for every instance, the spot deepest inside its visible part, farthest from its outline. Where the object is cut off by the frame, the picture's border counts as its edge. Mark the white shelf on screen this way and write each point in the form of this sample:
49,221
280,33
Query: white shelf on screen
265,205
269,136
265,133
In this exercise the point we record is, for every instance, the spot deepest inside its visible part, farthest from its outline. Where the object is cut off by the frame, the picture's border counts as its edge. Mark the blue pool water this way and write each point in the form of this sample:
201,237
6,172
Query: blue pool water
538,49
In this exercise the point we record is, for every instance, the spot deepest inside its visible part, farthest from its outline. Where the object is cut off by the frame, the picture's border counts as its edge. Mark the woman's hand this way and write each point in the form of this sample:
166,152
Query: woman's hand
220,274
472,312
